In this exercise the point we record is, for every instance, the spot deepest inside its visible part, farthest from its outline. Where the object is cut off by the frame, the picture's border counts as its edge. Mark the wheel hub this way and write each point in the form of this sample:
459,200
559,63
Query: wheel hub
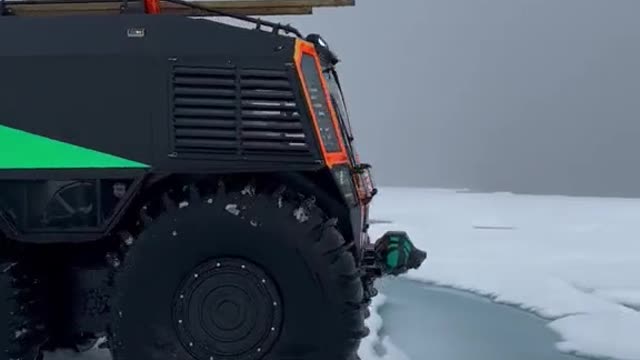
228,309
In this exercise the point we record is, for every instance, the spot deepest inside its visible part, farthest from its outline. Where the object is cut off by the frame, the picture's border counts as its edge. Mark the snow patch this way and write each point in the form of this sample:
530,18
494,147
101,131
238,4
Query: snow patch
249,190
628,297
8,267
610,335
20,333
574,261
97,354
301,214
233,209
370,344
128,240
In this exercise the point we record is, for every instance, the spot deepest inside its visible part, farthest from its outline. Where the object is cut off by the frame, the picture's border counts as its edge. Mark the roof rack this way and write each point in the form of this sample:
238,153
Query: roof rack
234,8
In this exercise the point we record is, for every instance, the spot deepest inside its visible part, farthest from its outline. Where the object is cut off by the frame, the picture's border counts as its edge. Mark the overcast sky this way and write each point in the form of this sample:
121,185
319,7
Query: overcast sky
537,96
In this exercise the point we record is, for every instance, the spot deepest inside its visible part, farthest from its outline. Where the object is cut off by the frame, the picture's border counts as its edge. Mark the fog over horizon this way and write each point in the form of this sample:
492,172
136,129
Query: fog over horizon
529,96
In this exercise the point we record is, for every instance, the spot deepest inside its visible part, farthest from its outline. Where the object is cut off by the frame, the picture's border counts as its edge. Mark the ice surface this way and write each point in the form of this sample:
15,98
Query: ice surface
575,261
627,297
433,322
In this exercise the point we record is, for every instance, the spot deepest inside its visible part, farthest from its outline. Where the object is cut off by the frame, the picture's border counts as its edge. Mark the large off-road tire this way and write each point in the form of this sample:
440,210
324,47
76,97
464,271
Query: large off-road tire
21,331
237,274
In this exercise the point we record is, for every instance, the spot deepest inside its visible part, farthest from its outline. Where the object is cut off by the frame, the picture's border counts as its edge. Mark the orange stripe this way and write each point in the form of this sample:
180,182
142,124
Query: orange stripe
331,158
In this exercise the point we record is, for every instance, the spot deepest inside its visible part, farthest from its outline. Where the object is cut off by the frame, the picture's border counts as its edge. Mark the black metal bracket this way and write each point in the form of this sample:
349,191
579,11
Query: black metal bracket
124,6
361,168
131,7
371,262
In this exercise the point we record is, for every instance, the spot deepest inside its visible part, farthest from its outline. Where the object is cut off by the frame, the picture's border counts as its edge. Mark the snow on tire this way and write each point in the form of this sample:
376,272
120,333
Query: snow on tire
20,334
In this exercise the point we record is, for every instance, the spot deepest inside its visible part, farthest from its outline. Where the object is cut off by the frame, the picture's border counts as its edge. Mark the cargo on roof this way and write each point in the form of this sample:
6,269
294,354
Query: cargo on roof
239,7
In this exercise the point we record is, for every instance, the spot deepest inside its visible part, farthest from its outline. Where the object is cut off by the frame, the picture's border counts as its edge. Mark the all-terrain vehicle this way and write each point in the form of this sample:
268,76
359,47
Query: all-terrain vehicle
180,186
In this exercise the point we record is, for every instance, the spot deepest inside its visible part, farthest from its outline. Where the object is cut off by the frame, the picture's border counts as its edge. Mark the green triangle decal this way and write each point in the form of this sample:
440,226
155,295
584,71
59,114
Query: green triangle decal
23,150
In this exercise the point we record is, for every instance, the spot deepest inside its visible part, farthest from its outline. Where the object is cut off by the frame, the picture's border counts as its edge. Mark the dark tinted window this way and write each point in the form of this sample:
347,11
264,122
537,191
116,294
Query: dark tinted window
320,106
338,100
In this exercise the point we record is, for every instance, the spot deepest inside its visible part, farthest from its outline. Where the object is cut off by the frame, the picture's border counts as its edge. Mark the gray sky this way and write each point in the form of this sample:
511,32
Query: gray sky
538,96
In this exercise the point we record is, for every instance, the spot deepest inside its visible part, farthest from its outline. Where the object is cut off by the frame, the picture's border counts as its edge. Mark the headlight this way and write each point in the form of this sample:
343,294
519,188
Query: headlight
342,174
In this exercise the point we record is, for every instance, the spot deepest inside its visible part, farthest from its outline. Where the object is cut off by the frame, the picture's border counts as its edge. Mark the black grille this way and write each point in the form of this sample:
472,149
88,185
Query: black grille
248,113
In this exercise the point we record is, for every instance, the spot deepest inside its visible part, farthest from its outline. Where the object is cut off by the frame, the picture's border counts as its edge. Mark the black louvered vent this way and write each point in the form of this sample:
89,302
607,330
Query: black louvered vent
248,113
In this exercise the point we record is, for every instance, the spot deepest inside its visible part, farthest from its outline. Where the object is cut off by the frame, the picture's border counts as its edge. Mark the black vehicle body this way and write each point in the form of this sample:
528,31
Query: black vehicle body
166,96
183,188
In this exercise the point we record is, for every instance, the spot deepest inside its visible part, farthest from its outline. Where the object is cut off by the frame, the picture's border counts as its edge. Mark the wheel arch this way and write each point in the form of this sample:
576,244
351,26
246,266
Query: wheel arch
318,184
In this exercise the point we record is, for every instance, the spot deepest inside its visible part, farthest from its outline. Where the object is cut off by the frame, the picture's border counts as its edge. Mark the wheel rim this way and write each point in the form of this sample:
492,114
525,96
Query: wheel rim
227,309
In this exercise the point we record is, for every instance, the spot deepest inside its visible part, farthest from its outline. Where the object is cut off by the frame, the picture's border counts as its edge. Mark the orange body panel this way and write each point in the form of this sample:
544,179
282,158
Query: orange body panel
331,158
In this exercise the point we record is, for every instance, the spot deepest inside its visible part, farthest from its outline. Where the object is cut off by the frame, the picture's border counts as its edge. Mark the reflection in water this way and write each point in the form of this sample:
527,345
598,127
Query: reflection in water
436,323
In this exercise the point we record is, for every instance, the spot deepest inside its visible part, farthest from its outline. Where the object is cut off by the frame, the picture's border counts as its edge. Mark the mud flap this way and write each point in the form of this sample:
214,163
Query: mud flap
90,306
21,331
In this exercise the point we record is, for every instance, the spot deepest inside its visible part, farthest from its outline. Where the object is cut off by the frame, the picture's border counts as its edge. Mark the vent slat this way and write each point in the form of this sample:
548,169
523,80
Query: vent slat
249,73
206,102
184,111
203,91
268,153
269,105
268,115
265,84
208,144
182,80
268,95
206,133
238,113
269,145
202,71
271,125
273,135
205,123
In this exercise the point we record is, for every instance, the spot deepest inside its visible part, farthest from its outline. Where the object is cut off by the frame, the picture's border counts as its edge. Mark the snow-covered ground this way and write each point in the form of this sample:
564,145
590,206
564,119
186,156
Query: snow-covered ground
574,261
